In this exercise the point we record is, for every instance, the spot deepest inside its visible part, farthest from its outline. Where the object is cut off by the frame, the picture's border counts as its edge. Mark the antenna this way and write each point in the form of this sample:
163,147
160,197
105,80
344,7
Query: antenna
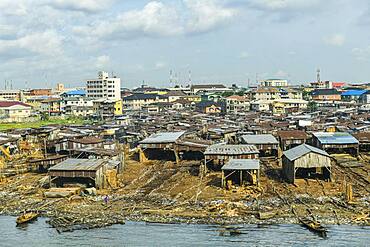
318,76
171,77
190,77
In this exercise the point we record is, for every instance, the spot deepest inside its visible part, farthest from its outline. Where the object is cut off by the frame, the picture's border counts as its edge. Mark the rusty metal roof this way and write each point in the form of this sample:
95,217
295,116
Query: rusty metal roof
292,134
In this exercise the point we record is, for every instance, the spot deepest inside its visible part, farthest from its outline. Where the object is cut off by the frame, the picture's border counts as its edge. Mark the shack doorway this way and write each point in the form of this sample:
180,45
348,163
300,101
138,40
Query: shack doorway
160,154
322,173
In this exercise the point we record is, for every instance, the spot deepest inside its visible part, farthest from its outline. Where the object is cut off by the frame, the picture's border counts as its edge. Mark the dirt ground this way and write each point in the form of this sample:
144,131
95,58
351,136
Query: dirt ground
167,193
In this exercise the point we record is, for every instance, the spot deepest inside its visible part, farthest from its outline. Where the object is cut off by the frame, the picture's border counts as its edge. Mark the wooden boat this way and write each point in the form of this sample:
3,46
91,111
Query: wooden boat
314,226
26,217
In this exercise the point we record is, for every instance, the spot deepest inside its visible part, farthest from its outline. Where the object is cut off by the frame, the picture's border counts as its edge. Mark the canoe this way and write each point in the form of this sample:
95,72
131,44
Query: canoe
314,226
27,217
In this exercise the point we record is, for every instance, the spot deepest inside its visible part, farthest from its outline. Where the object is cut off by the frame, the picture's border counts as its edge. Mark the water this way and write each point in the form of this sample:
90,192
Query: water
141,234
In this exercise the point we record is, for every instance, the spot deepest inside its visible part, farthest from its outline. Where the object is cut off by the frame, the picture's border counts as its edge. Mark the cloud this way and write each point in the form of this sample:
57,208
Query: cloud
206,15
102,61
362,54
282,74
335,39
160,65
244,55
282,5
47,43
89,6
157,19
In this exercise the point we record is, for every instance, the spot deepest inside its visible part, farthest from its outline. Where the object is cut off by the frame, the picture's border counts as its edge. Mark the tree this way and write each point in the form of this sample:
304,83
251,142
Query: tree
312,106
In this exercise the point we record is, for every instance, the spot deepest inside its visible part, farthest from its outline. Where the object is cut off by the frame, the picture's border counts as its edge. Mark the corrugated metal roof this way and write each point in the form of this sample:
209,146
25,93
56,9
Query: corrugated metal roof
226,149
79,165
301,150
259,139
242,164
163,137
335,138
354,92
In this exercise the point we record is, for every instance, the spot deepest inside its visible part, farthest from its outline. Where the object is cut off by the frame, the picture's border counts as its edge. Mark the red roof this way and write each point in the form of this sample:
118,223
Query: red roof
12,103
338,84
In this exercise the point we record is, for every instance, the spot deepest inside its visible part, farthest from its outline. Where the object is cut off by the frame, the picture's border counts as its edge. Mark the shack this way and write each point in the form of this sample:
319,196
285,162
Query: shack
364,140
265,143
305,161
241,171
89,172
160,146
336,142
218,155
42,165
291,138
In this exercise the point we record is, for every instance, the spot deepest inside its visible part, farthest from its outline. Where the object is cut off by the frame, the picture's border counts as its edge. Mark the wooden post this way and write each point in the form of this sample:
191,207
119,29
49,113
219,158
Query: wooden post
223,179
241,177
258,178
349,193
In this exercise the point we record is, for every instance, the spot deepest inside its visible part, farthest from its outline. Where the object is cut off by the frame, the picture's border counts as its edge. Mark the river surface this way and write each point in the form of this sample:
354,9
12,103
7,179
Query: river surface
39,233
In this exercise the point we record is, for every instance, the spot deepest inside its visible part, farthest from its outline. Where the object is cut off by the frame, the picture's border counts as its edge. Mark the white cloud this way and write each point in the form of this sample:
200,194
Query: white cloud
47,43
160,65
244,55
362,54
278,5
282,74
335,39
80,5
102,62
155,19
206,15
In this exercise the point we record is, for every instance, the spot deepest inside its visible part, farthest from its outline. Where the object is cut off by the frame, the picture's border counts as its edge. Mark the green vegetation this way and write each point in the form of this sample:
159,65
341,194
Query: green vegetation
37,124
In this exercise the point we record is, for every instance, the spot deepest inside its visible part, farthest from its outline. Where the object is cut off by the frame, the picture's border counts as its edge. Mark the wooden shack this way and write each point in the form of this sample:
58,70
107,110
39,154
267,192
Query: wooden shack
305,161
336,142
364,140
291,138
42,165
241,172
89,172
265,143
161,146
218,155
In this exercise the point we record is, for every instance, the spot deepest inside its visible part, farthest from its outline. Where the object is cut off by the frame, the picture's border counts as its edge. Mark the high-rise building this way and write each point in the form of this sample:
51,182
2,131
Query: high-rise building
104,87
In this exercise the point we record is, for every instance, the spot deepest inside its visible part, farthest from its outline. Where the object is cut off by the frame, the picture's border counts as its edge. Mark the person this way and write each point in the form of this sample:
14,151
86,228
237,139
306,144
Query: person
106,199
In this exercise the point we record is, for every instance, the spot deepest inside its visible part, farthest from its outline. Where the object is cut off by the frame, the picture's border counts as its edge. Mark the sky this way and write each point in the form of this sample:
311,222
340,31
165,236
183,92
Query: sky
44,42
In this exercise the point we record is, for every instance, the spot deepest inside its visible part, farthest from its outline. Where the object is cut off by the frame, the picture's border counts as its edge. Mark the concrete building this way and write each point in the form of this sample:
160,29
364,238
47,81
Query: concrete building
274,83
14,111
104,87
10,94
237,104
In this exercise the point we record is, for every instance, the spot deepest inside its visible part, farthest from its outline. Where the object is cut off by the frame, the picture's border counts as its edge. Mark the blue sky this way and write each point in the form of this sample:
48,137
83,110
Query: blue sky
43,42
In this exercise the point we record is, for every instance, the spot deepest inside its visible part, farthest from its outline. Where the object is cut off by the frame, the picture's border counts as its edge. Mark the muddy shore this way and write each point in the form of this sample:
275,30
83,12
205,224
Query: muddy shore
160,192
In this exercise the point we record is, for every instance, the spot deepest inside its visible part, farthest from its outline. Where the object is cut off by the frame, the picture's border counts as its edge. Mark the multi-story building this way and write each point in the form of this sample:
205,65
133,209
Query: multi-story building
107,108
78,106
271,93
137,101
10,94
326,95
51,106
209,88
237,104
274,83
104,87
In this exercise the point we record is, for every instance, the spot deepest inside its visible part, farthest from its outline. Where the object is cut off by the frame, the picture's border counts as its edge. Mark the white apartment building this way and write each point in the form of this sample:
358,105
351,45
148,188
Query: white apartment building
104,87
274,83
